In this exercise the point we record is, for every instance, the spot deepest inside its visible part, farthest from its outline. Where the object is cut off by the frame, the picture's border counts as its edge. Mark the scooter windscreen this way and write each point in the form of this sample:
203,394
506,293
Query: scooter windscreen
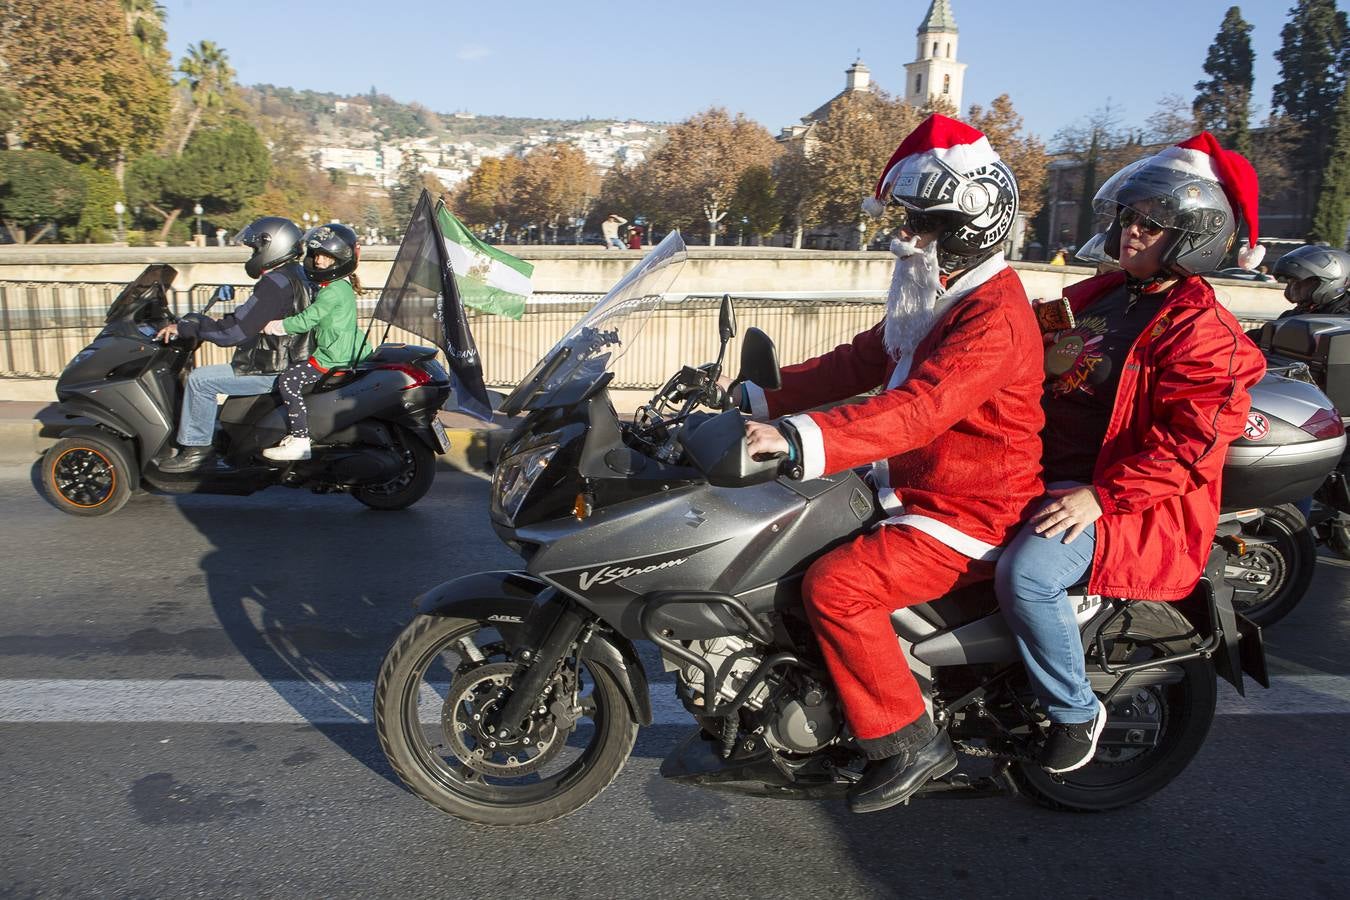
146,299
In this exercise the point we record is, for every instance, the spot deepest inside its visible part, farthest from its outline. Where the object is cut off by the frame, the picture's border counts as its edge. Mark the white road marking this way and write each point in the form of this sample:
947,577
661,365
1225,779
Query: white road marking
349,702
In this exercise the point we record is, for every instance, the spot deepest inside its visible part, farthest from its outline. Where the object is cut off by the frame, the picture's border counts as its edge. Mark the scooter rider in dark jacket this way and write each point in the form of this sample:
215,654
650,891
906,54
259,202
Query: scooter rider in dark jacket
1315,280
281,291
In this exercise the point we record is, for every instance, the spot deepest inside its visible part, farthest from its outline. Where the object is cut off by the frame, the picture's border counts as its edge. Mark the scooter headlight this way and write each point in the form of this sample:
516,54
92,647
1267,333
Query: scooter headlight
515,476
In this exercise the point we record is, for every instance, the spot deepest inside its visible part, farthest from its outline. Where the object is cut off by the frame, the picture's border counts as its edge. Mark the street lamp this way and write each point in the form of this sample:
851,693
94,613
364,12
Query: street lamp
305,217
119,207
862,235
197,211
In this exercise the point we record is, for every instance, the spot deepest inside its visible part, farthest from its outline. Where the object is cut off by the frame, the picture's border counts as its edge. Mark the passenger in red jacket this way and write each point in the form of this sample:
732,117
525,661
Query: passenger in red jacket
1142,398
952,439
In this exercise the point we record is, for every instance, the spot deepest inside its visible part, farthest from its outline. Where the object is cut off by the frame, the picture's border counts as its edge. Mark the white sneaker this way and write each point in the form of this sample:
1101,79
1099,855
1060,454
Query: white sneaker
291,448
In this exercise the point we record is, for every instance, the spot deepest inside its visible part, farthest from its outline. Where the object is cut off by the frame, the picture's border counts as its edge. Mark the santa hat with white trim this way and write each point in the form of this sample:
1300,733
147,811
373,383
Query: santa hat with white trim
1202,156
938,146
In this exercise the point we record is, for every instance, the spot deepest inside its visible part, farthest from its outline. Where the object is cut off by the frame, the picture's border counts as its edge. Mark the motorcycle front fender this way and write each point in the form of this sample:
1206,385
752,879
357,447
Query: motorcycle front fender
522,608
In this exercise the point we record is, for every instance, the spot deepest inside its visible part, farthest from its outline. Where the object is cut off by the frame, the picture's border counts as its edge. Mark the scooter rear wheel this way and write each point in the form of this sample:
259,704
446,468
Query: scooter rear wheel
84,475
411,484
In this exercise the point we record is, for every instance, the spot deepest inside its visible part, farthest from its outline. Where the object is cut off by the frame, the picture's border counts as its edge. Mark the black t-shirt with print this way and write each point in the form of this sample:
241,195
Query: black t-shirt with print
1082,367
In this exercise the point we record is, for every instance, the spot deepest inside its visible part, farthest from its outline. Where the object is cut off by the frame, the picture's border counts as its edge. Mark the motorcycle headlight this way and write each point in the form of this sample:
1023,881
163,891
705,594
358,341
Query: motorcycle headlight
514,477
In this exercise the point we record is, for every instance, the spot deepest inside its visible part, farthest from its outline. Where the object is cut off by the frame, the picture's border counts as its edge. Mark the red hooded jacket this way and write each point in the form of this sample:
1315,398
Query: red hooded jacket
956,442
1182,399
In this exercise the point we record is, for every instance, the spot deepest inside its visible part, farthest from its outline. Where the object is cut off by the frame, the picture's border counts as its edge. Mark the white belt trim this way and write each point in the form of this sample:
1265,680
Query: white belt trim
945,534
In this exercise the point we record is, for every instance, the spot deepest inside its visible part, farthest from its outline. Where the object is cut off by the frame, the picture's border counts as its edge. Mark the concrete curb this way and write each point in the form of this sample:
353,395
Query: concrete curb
27,429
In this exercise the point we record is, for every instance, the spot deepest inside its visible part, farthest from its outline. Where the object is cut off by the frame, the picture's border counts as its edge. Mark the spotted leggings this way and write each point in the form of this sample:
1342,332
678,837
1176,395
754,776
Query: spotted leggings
291,382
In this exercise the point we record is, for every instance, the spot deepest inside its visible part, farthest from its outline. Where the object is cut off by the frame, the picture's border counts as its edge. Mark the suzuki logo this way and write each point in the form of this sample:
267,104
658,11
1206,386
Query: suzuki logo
694,518
611,574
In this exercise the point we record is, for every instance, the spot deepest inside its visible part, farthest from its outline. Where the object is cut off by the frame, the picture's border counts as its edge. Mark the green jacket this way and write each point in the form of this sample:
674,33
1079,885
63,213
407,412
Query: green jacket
338,342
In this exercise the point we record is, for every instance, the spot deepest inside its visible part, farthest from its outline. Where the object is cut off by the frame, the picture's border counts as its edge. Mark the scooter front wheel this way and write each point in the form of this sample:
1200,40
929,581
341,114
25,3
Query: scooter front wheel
84,475
439,690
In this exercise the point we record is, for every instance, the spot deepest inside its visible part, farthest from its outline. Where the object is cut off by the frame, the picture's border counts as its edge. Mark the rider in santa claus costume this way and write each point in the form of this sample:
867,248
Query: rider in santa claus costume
953,439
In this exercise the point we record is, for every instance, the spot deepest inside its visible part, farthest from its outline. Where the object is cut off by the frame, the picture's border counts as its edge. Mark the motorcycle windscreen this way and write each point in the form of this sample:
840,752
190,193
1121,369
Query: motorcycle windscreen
151,286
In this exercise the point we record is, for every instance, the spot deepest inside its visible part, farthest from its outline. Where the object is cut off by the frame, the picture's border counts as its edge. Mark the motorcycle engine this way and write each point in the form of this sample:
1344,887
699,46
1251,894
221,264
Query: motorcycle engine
799,716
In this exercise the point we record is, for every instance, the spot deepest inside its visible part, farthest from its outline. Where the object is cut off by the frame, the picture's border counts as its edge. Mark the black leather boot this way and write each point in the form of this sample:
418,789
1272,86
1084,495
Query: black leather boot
887,782
188,459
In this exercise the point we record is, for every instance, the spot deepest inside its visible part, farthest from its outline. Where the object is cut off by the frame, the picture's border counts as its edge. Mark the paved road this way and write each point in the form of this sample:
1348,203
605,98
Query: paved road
184,695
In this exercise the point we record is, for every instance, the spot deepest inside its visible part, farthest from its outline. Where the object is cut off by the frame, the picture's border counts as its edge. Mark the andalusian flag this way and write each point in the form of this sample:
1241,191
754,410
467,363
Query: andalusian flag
487,278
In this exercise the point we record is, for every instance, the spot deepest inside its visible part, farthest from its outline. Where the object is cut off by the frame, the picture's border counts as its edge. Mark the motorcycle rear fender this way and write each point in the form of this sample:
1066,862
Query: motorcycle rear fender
522,608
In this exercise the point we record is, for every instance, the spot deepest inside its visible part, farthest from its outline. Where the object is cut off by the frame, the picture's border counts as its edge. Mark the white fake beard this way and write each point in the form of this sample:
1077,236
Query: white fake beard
912,305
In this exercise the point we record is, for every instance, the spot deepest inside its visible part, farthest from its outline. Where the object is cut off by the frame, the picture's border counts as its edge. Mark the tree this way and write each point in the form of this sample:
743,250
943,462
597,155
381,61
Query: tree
1024,153
1223,101
556,185
409,181
97,218
221,168
485,198
702,160
849,150
1332,214
1314,44
38,188
794,189
1102,146
84,92
208,78
756,202
1173,120
145,24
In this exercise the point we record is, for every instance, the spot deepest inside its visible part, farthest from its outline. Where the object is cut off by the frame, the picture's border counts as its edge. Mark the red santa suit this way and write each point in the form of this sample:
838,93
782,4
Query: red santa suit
954,443
955,451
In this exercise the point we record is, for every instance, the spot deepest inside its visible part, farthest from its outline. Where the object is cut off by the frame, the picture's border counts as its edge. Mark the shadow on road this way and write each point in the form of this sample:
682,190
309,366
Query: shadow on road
314,591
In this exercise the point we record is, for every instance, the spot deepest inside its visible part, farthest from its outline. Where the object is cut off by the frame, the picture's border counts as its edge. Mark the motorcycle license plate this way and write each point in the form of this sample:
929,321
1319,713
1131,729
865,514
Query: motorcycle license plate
441,439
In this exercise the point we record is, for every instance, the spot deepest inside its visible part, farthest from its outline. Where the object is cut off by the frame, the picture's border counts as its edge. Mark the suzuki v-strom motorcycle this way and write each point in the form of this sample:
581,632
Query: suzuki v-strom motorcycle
375,430
515,697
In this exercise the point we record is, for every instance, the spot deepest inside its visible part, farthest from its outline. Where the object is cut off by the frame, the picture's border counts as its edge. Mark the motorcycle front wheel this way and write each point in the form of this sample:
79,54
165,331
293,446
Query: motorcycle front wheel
1152,731
438,689
1271,578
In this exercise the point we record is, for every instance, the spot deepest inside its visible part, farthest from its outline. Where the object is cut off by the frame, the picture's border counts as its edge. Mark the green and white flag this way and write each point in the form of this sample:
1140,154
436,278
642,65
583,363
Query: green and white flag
487,278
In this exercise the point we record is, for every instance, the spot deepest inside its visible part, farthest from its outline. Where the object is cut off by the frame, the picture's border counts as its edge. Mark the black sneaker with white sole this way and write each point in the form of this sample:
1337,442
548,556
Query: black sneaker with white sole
1072,746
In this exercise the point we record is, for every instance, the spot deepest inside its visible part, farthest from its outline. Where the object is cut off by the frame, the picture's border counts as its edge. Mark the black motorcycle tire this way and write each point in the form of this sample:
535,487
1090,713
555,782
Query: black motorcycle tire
1291,557
1187,713
109,476
395,701
409,487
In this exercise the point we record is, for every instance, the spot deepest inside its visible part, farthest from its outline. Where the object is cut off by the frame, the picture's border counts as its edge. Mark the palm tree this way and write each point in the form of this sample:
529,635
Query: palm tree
208,77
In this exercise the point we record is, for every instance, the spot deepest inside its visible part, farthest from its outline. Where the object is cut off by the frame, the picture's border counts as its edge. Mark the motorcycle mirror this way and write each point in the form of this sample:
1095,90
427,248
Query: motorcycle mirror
726,321
222,292
759,361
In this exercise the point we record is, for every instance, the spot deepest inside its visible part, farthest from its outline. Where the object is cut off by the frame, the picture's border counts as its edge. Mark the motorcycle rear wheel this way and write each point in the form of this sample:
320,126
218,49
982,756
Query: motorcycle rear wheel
483,789
1119,776
411,484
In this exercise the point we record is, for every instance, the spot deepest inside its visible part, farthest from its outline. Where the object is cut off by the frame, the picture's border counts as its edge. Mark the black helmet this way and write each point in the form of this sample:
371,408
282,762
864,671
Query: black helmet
335,240
275,242
973,212
1331,268
1194,209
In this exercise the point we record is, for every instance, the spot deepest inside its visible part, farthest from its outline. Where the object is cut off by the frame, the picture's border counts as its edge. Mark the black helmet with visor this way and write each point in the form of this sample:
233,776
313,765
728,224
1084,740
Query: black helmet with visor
274,240
334,240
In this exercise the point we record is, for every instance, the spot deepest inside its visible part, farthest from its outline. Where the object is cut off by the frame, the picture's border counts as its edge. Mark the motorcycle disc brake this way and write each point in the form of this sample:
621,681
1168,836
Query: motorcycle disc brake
469,714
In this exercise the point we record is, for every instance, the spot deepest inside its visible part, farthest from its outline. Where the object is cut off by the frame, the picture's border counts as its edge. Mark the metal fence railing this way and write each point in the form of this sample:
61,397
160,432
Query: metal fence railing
44,324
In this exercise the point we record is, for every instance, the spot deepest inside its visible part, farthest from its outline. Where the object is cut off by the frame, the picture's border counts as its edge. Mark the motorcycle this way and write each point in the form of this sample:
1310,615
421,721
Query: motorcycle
1294,433
515,697
375,430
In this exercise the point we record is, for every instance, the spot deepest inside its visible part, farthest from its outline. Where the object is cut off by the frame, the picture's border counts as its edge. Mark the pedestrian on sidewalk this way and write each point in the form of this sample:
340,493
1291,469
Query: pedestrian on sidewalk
610,229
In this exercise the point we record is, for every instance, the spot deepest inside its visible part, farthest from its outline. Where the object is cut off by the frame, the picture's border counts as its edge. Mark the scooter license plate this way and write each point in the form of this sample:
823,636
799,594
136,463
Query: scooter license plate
441,439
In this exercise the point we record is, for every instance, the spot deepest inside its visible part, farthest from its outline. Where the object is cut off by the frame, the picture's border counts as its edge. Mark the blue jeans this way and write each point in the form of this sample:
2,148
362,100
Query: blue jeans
197,425
1030,582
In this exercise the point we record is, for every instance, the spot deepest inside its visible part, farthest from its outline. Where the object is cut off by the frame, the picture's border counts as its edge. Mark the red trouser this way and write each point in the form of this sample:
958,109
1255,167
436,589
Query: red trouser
850,593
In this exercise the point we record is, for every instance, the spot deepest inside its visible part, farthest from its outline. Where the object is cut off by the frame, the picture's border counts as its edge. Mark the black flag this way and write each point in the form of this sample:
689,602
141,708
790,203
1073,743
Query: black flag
420,296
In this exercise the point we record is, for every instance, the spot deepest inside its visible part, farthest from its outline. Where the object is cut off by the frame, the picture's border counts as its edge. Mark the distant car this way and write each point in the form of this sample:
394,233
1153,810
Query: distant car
1242,274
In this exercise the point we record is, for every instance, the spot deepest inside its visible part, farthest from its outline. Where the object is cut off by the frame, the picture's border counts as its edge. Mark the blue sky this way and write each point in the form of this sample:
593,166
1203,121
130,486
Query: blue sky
773,61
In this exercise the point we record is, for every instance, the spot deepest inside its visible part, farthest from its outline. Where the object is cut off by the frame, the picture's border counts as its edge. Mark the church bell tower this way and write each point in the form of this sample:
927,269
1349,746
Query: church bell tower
935,74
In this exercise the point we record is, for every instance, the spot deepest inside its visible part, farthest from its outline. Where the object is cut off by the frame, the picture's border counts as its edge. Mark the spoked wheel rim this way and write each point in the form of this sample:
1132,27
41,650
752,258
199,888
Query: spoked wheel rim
530,767
84,477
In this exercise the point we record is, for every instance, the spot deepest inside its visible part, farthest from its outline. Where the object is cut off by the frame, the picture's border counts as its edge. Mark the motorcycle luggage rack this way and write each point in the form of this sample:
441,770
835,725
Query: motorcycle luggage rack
1123,673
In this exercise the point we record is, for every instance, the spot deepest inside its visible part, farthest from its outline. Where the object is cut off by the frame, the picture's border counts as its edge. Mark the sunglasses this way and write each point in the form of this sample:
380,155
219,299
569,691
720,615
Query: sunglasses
1148,226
